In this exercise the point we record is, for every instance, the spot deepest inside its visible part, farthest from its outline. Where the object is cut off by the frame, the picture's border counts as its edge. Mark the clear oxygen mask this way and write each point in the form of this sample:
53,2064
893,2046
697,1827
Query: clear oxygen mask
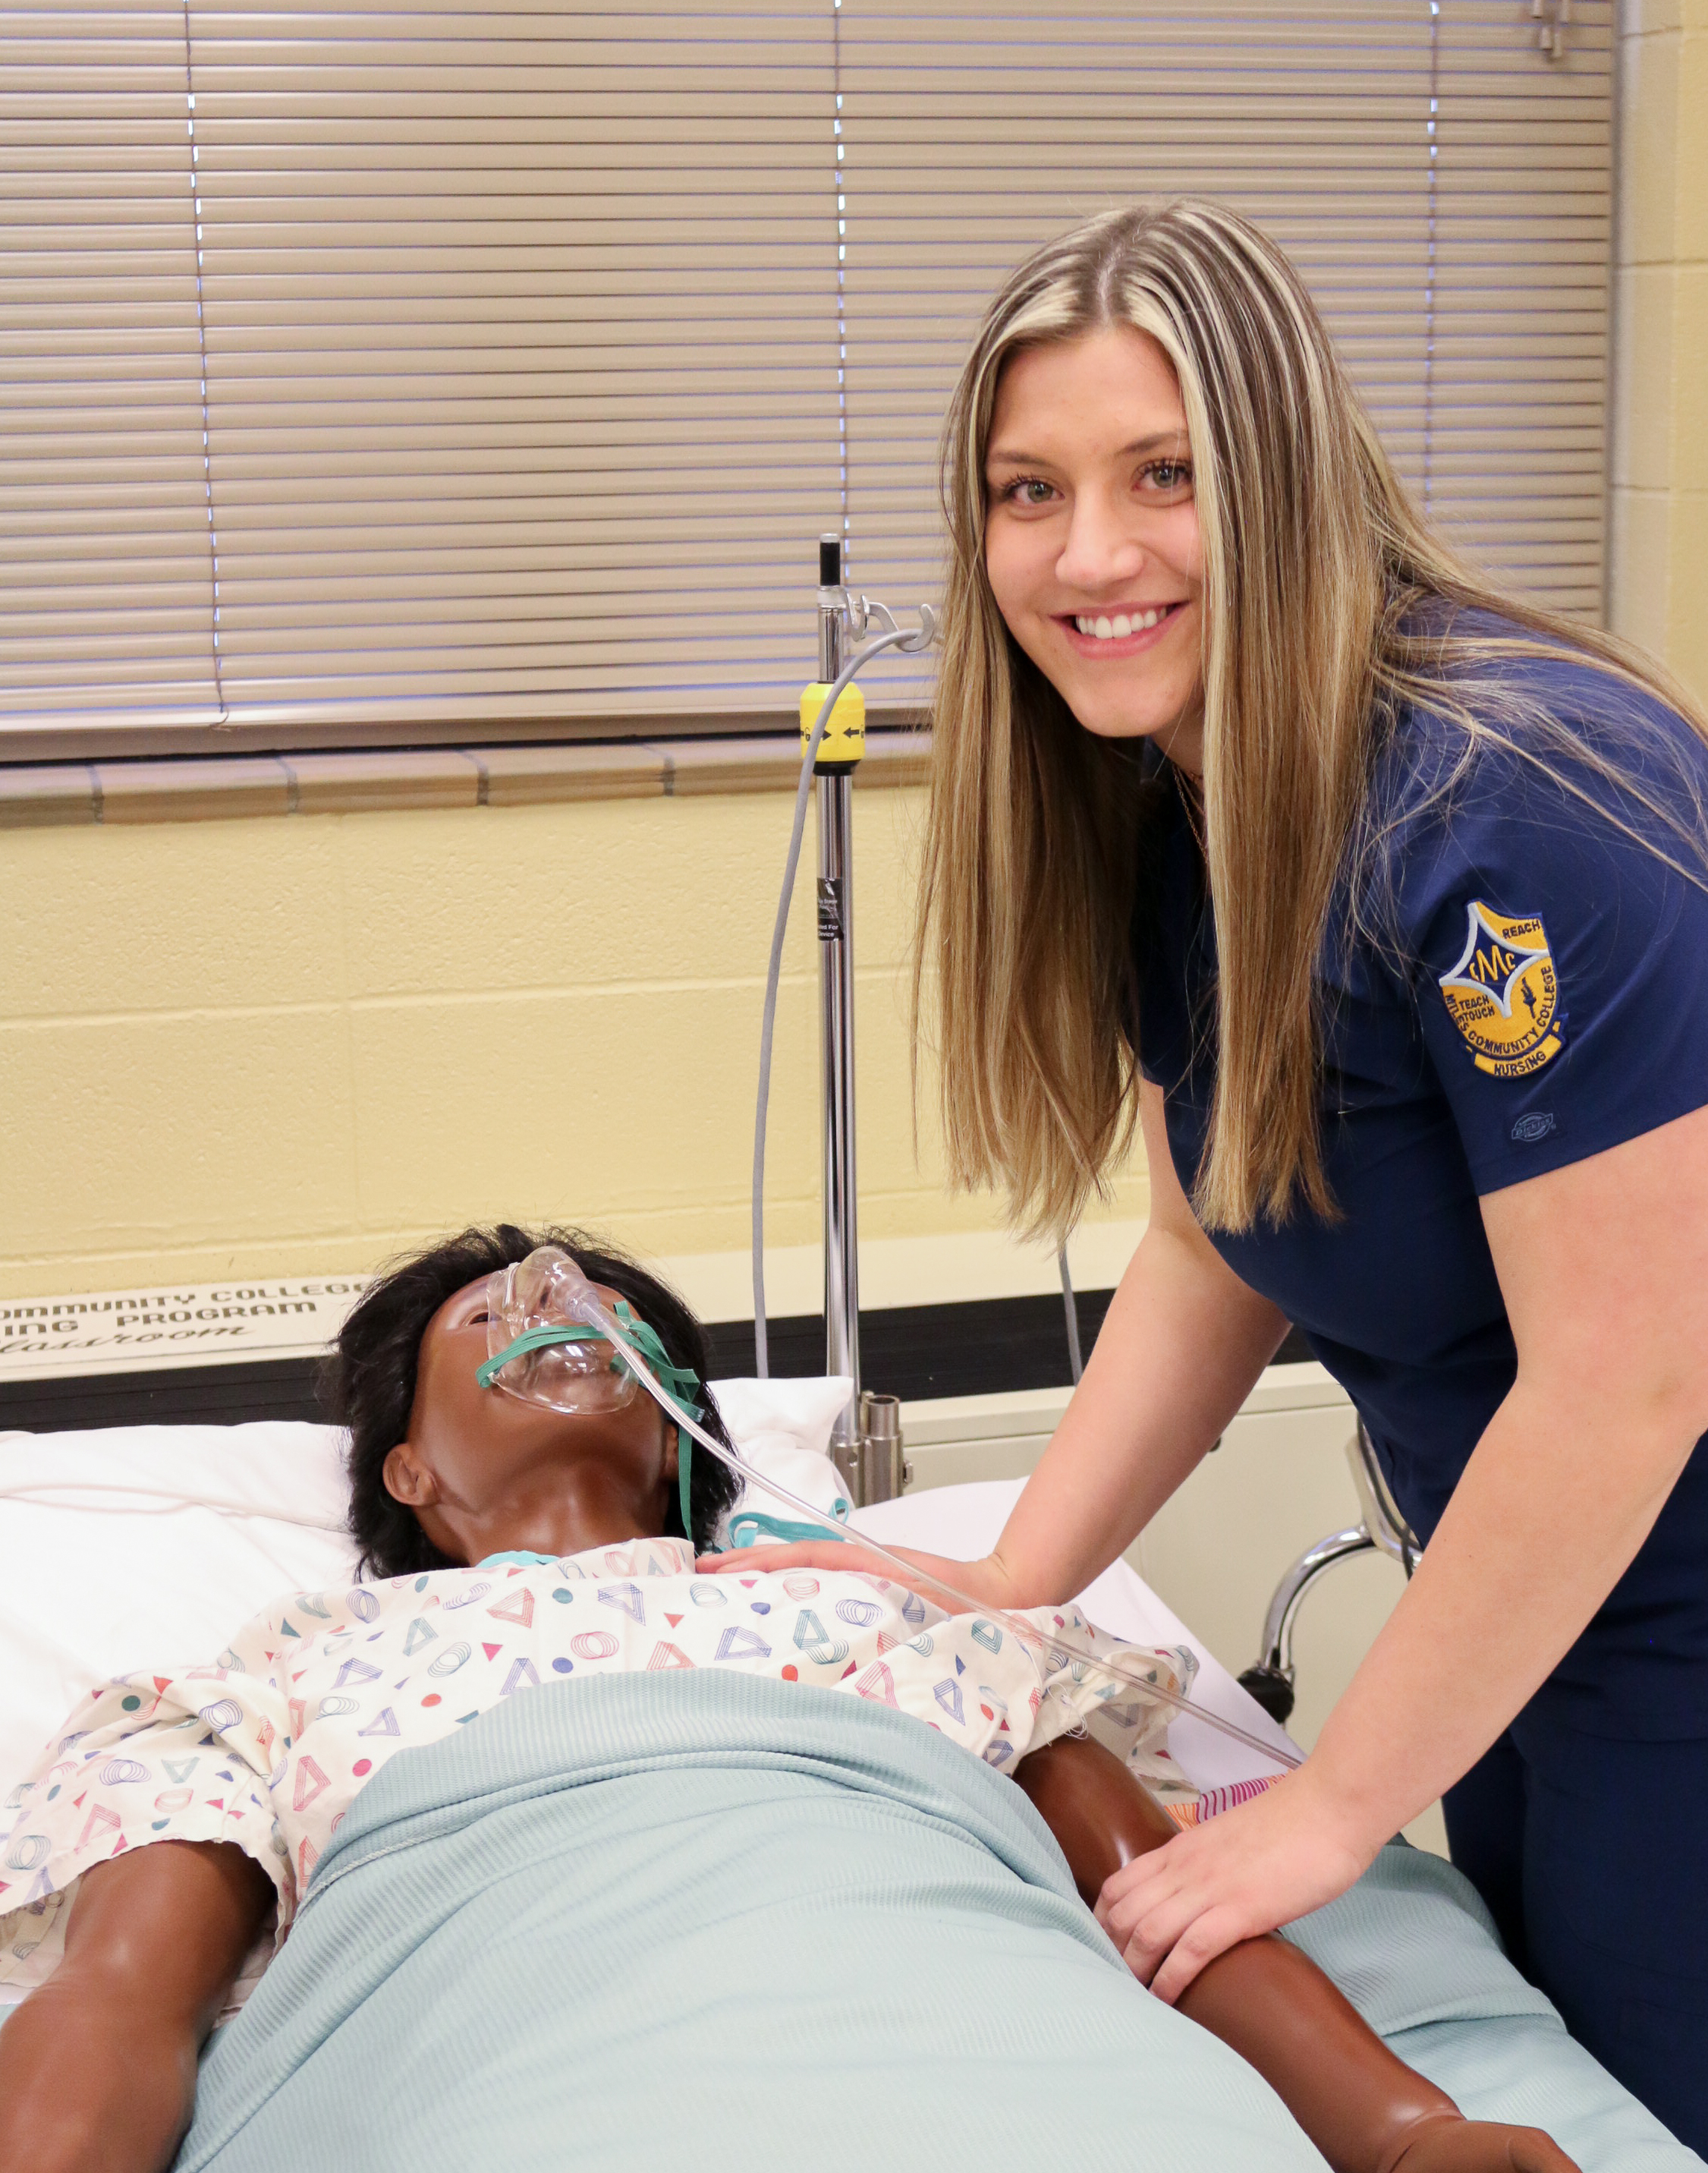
542,1351
553,1340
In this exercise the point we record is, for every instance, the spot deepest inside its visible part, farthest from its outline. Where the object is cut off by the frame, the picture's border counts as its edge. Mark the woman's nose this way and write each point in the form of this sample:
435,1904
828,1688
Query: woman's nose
1101,549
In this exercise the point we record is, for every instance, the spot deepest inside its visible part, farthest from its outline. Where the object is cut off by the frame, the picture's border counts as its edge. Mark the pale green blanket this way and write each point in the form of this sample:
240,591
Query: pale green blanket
705,1920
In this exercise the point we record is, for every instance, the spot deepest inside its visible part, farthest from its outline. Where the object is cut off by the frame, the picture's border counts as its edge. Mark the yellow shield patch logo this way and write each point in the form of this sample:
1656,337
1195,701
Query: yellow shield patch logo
1504,995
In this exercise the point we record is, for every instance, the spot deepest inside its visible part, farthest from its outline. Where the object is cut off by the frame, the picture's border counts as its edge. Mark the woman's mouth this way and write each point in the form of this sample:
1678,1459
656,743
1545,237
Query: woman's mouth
1118,634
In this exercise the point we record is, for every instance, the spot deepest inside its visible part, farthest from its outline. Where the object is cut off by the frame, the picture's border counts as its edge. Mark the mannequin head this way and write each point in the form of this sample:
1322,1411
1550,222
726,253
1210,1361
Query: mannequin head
445,1472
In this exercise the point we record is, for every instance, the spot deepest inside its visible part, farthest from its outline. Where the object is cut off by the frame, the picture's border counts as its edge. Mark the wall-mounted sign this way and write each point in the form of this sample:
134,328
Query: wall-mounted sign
173,1324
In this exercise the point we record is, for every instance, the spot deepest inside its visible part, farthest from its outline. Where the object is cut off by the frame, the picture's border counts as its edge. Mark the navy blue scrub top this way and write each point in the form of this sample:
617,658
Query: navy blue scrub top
1539,994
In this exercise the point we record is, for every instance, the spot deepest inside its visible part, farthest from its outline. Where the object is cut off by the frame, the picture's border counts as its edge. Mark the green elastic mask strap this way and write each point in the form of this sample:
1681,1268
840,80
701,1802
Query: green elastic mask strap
685,1465
532,1339
682,1382
752,1526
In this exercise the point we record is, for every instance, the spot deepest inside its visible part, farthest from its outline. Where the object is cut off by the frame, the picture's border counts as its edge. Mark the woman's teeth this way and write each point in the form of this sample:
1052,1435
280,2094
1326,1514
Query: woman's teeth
1118,628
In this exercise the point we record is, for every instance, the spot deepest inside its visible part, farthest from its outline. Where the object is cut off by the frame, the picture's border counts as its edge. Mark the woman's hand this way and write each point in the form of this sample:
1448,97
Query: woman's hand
1249,1871
1454,2145
986,1581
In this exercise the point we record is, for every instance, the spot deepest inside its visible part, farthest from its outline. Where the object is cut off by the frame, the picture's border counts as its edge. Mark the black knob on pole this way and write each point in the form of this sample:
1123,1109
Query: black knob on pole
830,561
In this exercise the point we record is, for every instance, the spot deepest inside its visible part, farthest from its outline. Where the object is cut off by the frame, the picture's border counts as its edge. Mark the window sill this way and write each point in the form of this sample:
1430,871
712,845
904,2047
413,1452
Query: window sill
223,788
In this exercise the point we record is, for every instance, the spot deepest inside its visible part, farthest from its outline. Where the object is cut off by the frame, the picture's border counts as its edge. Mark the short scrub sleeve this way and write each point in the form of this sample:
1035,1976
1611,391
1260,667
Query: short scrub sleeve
1562,965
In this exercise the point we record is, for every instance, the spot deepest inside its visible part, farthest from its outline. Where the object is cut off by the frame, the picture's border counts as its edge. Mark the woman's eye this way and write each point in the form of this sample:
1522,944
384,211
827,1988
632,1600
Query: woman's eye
1027,490
1169,475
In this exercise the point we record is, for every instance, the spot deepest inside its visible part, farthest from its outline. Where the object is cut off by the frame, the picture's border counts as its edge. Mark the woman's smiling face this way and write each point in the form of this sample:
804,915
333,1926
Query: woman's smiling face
1091,538
486,1473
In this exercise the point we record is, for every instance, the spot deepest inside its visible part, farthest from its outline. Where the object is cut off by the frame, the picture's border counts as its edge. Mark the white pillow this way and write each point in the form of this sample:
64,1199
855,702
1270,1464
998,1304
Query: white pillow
783,1429
137,1546
141,1545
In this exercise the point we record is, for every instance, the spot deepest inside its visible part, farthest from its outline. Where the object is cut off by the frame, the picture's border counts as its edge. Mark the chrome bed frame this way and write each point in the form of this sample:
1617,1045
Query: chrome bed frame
1270,1679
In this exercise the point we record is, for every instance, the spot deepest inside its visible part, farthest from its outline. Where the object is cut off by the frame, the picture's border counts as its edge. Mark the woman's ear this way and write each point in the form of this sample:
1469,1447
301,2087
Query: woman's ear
407,1480
673,1454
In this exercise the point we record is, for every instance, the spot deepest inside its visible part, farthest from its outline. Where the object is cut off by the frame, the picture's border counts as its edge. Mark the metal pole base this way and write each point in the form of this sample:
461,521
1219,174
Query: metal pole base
884,1469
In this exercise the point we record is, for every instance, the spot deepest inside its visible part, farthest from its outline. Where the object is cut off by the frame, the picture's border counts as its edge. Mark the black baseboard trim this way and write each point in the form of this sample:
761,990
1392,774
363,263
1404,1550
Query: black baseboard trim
985,1346
175,1395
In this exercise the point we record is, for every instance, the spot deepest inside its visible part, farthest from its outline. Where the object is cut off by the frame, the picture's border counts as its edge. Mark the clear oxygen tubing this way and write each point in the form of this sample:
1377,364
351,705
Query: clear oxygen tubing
581,1300
895,638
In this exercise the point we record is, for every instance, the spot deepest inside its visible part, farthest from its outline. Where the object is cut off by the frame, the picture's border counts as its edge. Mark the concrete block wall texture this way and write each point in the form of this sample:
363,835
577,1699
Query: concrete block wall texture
1659,465
298,1044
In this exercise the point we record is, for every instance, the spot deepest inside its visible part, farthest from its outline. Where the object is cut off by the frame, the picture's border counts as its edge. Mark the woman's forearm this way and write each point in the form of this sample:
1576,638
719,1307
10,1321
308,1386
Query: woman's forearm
1603,1267
98,2068
1182,1343
1552,1506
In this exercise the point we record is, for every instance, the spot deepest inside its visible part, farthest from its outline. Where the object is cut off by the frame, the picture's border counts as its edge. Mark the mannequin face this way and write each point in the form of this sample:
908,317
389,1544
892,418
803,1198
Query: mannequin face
487,1474
1091,520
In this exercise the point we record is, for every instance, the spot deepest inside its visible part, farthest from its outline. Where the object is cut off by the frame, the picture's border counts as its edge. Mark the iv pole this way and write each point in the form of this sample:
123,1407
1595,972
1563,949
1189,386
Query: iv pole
866,1443
834,775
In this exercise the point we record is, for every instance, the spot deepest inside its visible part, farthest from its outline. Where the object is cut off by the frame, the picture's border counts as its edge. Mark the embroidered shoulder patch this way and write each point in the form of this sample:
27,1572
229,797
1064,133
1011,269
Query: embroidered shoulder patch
1504,995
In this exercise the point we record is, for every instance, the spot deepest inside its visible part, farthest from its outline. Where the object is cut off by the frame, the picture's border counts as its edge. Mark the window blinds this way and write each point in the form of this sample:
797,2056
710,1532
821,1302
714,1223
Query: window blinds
105,573
418,370
1515,454
1444,188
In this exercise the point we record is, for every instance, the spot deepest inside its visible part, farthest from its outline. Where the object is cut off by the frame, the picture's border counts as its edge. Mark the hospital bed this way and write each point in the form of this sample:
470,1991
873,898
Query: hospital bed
127,1543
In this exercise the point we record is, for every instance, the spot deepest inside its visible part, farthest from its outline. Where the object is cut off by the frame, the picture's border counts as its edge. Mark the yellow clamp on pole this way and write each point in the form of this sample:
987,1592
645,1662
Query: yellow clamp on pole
845,732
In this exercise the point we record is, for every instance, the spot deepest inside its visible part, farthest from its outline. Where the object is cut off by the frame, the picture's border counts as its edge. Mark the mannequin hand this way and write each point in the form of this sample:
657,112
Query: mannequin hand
1248,1871
985,1580
1479,2146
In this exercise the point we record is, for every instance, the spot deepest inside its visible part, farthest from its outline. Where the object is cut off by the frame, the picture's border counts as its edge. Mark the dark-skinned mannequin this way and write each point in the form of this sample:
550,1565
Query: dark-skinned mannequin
97,2066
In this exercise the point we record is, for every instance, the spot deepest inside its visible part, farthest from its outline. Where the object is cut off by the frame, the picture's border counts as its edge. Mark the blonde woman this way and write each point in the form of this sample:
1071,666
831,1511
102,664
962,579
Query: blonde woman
1379,900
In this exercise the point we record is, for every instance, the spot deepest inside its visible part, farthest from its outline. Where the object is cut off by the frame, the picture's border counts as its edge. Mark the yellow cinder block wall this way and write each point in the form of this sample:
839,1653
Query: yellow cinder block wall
296,1043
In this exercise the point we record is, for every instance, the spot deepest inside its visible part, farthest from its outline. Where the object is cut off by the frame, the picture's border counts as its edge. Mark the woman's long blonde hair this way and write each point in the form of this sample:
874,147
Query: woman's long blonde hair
1315,566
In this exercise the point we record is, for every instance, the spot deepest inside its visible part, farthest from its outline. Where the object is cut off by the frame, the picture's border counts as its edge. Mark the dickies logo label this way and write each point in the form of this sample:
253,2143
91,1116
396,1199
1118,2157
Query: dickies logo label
1504,995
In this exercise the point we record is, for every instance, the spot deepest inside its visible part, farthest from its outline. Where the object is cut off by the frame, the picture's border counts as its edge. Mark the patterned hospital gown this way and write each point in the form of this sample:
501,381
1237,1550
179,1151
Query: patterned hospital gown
268,1745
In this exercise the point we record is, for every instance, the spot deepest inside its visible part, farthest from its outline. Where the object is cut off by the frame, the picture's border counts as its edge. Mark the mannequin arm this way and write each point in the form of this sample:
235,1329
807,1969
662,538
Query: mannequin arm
1365,2110
98,2066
